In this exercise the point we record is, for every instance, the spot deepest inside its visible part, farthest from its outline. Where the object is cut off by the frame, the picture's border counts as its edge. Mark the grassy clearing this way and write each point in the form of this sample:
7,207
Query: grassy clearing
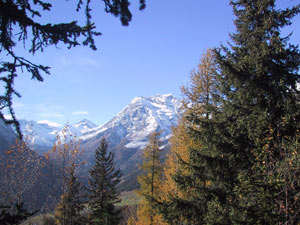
129,198
35,220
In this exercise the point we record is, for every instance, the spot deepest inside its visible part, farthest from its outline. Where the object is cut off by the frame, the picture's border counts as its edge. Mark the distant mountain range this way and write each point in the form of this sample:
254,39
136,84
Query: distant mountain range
41,136
126,133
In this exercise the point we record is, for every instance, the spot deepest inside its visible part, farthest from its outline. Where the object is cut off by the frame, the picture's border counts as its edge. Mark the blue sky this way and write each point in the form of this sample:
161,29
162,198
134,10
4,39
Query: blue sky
153,55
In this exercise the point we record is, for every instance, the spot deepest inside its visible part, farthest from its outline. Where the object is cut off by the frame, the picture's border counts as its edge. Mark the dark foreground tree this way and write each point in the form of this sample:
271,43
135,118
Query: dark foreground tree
13,215
19,24
260,115
69,209
246,170
104,178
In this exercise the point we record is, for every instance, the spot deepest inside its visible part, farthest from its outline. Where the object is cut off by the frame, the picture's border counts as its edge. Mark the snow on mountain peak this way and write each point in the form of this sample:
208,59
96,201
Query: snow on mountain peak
163,99
39,134
83,126
43,134
141,117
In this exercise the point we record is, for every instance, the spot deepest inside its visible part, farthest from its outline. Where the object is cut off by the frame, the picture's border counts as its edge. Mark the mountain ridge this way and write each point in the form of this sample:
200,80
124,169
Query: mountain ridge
162,111
127,132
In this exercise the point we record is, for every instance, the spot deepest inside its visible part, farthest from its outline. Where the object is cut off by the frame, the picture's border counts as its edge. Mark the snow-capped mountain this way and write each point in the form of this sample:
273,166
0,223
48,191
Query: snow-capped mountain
83,126
135,122
39,136
140,118
76,130
42,135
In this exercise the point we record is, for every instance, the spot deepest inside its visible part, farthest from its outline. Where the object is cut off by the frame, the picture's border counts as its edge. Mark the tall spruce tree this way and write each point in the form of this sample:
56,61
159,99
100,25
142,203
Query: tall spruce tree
104,177
248,141
260,109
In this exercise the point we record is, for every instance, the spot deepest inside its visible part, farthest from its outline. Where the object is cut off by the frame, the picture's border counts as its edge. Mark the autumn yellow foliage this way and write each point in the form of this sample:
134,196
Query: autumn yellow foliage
150,182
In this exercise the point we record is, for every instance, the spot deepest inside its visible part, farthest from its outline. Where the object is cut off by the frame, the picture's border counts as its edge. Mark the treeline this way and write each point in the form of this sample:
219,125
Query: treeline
235,154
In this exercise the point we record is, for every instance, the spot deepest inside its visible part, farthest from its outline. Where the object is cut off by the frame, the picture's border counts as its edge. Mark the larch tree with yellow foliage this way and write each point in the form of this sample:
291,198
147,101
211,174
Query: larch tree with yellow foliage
150,182
20,172
176,160
176,163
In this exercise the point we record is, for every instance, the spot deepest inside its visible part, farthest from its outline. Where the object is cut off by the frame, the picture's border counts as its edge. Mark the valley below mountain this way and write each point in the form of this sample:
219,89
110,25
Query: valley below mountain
126,134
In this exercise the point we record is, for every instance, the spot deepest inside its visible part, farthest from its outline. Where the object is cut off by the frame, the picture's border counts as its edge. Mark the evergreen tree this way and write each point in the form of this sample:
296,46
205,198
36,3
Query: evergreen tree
104,178
249,129
150,182
260,110
68,210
